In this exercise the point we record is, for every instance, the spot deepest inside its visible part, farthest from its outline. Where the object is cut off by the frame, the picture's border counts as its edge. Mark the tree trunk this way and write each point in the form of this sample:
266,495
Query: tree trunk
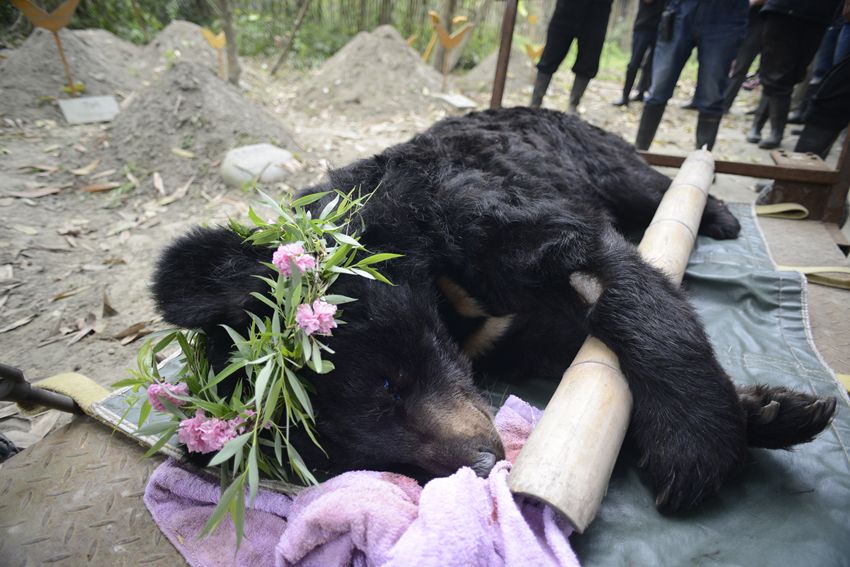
477,20
233,69
386,12
449,7
290,39
361,16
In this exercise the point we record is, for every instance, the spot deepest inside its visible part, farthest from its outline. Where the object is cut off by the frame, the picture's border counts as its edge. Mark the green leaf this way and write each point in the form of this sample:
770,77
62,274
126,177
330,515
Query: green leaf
262,298
223,505
377,275
271,402
231,368
375,258
338,299
262,382
363,273
253,474
156,428
338,255
305,345
237,514
343,238
275,206
308,199
278,447
300,393
144,412
230,448
162,441
129,382
329,207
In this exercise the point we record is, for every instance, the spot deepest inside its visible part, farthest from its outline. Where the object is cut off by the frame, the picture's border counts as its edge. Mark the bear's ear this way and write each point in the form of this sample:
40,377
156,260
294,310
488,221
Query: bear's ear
205,278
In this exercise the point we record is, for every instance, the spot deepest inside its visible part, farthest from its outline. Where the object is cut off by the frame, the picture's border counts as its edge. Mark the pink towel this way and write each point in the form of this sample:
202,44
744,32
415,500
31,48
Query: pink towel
373,518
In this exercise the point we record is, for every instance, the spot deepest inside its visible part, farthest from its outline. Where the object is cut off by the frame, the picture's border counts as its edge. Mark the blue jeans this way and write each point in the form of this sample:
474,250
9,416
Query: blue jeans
715,28
842,46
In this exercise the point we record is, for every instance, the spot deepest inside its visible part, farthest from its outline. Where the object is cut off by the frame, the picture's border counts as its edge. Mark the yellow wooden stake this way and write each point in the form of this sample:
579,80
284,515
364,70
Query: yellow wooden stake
53,22
217,42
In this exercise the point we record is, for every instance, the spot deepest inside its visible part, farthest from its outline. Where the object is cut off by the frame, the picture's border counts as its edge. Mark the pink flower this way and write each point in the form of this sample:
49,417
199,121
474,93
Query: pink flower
201,434
316,319
287,253
157,392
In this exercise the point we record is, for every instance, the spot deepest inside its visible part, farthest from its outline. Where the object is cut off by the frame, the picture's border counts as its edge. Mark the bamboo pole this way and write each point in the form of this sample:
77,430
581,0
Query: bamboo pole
569,457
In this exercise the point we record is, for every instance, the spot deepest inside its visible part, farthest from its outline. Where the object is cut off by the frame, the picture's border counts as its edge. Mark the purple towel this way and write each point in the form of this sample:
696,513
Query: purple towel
372,518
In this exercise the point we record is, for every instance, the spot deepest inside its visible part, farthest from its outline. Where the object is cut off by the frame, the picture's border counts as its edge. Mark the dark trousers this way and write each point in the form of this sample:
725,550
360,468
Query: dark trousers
715,28
830,107
583,20
788,46
643,42
747,53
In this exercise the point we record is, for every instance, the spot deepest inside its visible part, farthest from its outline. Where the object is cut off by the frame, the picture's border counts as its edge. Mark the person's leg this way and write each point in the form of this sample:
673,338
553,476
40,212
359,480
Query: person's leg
559,37
641,41
789,44
591,38
668,60
646,70
747,53
842,45
829,111
721,27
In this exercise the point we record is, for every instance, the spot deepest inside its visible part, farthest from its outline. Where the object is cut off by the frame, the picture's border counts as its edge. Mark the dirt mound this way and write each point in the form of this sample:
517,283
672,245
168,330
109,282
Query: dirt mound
479,79
32,76
375,73
184,122
180,41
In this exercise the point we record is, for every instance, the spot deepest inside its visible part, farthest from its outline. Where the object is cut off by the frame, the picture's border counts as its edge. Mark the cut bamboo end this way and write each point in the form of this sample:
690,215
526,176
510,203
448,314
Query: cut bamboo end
568,459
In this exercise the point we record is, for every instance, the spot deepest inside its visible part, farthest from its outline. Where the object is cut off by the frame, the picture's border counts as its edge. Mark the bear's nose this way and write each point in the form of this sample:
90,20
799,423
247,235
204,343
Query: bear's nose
484,463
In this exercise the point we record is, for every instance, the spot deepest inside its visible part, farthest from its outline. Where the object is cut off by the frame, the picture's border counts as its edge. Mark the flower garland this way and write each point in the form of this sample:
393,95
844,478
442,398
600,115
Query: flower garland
271,396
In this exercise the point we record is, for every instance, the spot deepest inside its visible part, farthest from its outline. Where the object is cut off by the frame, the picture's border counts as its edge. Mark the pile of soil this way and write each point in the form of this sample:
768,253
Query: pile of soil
479,79
180,41
185,121
376,73
32,77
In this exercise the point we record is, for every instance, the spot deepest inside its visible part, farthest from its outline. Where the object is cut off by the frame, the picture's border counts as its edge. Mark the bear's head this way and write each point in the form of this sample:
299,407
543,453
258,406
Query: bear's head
401,394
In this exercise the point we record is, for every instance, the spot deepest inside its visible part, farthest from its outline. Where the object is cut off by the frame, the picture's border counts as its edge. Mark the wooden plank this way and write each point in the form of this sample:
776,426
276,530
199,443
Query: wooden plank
759,170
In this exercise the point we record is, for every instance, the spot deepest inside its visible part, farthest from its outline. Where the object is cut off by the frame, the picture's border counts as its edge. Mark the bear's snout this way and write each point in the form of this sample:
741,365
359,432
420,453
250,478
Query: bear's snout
485,463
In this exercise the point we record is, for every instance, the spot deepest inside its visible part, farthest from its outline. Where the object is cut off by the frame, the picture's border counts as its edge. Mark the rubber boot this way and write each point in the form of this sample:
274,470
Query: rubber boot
759,118
816,140
631,75
707,126
650,118
691,105
638,97
541,85
579,85
778,112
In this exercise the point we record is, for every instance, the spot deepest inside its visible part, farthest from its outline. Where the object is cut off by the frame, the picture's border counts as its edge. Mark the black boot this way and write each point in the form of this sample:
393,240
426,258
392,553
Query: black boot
650,118
778,112
541,85
816,140
759,118
638,97
631,74
579,85
707,126
691,105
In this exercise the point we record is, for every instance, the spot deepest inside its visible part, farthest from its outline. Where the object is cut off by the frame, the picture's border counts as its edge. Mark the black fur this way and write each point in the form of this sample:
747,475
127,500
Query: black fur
508,204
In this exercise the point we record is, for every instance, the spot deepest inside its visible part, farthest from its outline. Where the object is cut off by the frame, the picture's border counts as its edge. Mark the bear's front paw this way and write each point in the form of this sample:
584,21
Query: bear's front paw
691,462
718,222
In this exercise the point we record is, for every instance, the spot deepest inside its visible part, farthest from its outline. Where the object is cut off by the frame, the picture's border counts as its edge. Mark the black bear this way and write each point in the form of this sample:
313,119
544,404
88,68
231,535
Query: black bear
493,212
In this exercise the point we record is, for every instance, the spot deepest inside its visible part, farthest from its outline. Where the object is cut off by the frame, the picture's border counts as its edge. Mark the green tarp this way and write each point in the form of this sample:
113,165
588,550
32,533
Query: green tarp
788,508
